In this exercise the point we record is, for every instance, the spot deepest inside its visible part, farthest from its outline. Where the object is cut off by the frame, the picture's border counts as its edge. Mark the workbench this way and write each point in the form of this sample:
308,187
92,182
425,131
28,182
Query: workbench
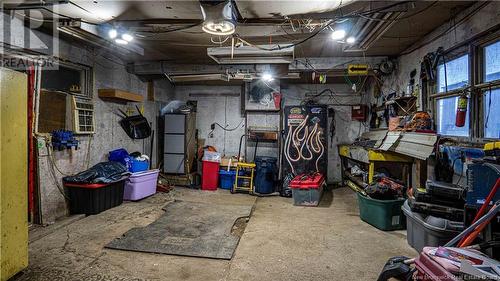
398,165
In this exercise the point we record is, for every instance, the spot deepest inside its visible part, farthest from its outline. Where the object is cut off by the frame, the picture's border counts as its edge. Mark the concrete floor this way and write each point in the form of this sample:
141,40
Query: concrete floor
280,242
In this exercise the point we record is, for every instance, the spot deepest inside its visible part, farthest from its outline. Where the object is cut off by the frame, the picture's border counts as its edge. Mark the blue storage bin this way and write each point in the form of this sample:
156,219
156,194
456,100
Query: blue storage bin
227,178
138,166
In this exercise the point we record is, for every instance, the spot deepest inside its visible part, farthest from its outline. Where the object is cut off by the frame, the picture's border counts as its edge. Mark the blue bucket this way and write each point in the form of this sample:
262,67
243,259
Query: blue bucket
265,174
226,179
138,166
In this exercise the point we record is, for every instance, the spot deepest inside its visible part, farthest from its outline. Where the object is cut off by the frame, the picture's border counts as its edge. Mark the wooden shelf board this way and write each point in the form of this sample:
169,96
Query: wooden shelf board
116,94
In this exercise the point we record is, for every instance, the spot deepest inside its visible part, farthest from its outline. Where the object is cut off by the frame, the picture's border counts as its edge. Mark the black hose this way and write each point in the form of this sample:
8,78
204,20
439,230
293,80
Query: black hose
255,151
239,149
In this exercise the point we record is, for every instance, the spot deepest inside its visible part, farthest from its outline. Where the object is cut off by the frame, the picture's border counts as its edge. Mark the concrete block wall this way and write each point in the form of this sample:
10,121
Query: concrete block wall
108,72
108,135
219,104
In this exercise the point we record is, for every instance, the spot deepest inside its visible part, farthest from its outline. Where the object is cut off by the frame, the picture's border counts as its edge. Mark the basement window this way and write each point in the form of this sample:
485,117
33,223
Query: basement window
491,111
68,78
454,74
492,62
446,112
59,88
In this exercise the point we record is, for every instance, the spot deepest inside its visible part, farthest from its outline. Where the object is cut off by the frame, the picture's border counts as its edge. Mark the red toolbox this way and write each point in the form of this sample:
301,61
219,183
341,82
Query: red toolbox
210,175
307,189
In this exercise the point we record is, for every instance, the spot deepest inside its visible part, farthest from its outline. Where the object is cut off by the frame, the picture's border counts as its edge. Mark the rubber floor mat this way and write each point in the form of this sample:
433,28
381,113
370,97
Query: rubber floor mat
187,229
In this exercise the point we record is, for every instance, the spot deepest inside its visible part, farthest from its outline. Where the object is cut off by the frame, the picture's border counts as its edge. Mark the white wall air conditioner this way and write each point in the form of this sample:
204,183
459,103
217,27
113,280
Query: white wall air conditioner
251,55
83,116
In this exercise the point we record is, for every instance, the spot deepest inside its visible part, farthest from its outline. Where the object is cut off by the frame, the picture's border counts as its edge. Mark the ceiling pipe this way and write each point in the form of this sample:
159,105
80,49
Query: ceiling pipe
169,70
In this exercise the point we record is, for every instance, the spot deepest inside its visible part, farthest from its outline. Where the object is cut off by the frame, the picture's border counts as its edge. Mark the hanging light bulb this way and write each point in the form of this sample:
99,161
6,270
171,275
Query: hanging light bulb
338,34
127,37
113,33
268,77
120,41
350,40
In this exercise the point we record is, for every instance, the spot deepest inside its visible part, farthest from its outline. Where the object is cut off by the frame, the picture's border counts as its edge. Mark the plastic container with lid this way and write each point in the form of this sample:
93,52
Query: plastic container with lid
307,189
383,214
430,231
141,185
93,198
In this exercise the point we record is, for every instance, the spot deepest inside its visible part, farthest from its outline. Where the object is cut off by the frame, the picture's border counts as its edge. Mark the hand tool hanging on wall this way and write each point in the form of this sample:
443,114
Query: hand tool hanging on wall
136,126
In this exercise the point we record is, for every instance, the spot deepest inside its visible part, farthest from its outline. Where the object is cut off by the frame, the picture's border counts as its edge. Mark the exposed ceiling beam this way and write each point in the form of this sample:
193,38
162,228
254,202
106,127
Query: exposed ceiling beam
298,65
332,63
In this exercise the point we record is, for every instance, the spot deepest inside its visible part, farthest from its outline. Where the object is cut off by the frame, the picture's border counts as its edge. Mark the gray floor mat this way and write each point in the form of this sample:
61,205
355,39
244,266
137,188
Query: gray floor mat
187,229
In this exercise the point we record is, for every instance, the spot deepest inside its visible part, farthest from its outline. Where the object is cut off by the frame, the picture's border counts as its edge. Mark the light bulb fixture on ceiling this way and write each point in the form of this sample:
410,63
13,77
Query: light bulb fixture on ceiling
120,36
127,37
121,41
113,33
267,77
338,34
350,40
222,28
218,19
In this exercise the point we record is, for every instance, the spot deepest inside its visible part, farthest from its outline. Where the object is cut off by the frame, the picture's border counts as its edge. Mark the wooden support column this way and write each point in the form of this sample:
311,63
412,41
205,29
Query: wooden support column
420,173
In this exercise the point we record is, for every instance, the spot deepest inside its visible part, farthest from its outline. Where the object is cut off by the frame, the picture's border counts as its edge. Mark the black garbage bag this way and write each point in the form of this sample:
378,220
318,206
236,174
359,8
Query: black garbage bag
103,172
285,190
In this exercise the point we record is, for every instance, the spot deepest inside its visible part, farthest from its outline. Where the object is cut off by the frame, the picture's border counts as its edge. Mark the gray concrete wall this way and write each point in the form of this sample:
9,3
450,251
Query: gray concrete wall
108,72
481,21
214,106
108,136
219,104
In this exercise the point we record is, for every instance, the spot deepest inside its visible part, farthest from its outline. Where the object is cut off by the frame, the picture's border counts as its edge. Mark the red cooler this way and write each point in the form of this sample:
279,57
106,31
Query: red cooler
210,175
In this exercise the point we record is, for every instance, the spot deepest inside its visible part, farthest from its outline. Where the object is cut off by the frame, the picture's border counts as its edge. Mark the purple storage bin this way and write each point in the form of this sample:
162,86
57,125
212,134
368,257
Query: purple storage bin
140,185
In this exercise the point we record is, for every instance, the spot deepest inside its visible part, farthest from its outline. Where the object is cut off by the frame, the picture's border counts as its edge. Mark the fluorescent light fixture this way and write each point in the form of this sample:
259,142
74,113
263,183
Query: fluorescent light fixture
127,37
350,40
267,77
121,41
338,34
251,55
